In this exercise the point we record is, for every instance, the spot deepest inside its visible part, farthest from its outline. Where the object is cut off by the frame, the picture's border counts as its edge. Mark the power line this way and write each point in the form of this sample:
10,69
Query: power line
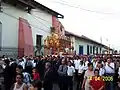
63,1
33,15
42,19
40,22
78,7
25,22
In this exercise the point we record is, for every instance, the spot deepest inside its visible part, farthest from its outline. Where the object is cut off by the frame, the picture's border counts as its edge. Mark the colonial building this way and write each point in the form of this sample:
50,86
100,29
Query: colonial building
24,25
84,45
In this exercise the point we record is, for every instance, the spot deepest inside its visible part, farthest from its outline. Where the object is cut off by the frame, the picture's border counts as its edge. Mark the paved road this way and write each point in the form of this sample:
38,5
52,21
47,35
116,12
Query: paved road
56,87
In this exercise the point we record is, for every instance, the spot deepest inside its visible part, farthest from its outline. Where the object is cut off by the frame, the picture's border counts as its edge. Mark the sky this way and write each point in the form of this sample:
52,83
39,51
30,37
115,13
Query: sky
95,19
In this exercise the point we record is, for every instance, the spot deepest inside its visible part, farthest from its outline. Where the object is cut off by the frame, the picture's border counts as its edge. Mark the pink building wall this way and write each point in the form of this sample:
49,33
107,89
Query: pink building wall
58,26
25,41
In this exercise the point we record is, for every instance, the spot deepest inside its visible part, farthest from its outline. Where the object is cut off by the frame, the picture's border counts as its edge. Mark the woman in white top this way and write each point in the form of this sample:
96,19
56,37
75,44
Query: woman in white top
19,85
89,73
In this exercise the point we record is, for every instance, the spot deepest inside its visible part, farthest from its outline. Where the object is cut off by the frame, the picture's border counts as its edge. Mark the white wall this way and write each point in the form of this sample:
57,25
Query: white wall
9,19
84,44
79,42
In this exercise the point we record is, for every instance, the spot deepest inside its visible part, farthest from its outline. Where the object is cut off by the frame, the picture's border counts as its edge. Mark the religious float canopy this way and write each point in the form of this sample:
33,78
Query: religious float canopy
58,42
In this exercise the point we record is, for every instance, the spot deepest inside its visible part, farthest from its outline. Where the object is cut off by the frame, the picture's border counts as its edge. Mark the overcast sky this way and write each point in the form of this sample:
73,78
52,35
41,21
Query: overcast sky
92,18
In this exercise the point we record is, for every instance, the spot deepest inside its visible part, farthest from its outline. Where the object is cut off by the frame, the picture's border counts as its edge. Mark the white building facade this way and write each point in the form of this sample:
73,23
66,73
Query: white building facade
20,30
85,46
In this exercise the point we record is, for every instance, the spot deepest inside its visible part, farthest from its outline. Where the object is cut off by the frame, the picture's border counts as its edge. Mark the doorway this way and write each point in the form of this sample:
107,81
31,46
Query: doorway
80,50
39,45
88,50
38,40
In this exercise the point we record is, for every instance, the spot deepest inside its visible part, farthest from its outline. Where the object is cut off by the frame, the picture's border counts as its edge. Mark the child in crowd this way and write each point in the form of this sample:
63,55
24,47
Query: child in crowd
35,75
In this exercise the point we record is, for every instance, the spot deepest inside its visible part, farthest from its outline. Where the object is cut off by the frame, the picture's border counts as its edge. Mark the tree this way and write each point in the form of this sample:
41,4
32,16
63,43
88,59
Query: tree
39,50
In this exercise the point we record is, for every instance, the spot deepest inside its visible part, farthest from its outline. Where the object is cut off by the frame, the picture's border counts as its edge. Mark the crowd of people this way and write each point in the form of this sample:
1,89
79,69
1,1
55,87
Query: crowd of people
95,72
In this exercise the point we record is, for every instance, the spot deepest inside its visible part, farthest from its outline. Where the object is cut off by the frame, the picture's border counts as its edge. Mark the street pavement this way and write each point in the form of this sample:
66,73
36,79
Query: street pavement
56,86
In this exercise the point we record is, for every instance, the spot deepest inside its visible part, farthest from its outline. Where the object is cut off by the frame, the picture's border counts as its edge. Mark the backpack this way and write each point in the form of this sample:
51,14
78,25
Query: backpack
27,77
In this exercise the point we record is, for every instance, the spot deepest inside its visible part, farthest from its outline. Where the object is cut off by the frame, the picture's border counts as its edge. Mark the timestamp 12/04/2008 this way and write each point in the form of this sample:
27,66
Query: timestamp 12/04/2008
104,78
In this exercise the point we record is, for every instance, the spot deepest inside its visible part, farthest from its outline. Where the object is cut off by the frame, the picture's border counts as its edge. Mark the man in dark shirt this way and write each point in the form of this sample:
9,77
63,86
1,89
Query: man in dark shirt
62,71
48,77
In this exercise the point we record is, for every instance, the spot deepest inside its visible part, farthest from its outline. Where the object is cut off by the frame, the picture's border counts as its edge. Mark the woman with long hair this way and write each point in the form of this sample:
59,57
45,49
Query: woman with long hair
19,85
88,73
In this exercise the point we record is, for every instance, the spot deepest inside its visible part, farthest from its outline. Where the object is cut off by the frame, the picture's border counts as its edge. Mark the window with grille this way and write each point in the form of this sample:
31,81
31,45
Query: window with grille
100,50
97,50
38,41
93,49
90,49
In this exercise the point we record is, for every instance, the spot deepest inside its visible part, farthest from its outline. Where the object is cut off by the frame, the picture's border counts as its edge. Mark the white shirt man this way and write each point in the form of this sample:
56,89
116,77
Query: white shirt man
101,71
11,63
100,68
22,63
119,71
85,63
109,68
24,59
95,64
81,69
70,71
33,63
77,63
